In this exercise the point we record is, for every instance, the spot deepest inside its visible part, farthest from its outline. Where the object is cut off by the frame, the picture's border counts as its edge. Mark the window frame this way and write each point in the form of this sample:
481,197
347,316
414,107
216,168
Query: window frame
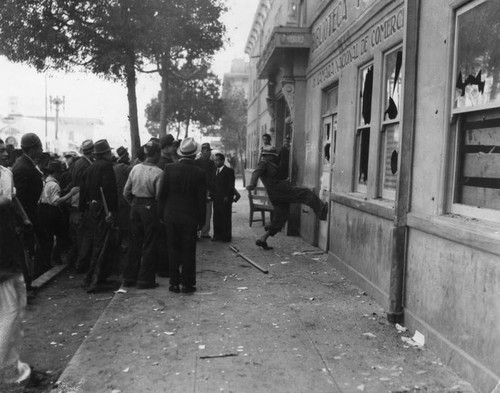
361,128
456,129
385,124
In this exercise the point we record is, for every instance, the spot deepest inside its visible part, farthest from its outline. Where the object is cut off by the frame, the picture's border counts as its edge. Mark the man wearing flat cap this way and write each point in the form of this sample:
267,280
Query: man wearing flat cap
281,194
29,184
99,202
206,163
182,204
77,219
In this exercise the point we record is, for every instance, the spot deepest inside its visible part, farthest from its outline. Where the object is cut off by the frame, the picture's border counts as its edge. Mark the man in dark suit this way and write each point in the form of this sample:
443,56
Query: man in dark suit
29,185
182,204
205,162
98,191
223,195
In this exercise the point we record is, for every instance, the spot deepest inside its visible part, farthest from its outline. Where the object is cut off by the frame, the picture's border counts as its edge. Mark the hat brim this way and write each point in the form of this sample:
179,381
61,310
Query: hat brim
188,154
102,151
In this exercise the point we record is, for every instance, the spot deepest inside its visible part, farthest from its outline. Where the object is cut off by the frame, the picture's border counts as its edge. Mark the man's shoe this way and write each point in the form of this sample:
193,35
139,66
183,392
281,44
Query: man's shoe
148,286
174,288
129,284
205,236
214,239
163,275
263,244
188,289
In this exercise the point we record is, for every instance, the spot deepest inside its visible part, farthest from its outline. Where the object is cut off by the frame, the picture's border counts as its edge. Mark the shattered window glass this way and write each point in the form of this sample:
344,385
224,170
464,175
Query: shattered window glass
477,55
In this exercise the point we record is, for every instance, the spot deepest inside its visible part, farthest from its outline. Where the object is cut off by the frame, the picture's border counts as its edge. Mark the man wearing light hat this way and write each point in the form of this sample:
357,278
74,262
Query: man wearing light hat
98,193
208,165
281,194
182,205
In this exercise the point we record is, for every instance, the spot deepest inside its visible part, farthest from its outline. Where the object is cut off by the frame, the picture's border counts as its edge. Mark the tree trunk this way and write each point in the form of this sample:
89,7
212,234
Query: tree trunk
135,139
187,128
163,95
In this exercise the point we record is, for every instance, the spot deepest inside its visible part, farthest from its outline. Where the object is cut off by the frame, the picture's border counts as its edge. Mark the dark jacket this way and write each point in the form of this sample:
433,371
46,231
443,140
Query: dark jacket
163,161
78,170
224,184
183,194
99,174
269,173
29,184
209,167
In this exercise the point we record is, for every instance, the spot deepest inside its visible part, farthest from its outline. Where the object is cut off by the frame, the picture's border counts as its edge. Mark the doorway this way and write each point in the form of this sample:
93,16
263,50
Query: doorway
327,157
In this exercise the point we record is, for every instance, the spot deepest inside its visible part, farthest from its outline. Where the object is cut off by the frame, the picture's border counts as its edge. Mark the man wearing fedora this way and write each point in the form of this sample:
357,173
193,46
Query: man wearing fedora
182,205
77,219
281,194
99,202
206,163
168,151
122,170
49,213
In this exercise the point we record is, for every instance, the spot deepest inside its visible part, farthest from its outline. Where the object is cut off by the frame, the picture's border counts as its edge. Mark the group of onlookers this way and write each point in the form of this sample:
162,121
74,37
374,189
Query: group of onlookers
86,209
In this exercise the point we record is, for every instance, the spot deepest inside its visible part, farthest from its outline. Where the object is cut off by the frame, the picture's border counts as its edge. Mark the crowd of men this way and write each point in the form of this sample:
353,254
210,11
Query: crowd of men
83,209
87,209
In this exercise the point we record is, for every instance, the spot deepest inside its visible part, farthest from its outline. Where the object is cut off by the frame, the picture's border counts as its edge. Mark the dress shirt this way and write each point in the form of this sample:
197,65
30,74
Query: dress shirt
142,181
7,189
51,191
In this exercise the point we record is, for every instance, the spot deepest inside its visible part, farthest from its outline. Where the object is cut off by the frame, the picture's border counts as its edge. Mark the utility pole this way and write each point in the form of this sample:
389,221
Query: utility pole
57,102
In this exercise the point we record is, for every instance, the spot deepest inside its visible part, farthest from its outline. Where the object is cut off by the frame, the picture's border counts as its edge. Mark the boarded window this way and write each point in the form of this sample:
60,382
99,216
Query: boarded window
476,103
479,175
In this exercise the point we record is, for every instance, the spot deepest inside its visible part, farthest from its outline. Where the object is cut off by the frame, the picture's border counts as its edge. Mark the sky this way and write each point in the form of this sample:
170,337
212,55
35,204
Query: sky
86,95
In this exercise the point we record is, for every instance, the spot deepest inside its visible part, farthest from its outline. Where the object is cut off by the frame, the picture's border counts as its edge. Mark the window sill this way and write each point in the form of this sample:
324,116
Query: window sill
471,232
383,208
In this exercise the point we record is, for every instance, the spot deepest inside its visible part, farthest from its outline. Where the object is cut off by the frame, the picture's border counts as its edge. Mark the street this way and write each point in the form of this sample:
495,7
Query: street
301,328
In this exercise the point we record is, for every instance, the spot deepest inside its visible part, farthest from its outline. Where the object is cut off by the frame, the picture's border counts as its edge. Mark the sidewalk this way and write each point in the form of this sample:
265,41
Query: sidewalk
301,328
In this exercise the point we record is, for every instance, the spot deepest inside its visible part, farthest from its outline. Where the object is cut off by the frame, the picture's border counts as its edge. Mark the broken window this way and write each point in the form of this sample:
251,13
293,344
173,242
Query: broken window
476,106
389,150
363,130
477,57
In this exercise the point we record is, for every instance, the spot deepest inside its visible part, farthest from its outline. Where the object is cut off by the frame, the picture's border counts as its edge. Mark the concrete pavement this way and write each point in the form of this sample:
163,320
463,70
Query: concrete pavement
301,328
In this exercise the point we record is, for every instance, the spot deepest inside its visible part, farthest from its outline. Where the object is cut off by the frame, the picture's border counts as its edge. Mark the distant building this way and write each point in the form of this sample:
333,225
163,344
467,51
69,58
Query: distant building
237,78
71,131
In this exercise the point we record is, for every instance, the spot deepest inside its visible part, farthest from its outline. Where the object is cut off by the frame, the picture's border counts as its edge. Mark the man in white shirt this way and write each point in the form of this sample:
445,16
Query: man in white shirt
141,192
50,216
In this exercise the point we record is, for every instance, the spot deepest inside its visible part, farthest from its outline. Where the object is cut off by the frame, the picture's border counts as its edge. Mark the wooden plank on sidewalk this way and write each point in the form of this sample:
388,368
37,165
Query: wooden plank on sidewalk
48,276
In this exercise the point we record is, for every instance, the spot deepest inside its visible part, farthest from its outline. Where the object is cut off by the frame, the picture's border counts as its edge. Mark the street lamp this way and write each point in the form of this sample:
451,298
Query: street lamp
57,102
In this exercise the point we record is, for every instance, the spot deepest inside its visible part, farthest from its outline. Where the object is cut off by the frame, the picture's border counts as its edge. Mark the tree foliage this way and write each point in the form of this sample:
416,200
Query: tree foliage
193,99
113,38
233,129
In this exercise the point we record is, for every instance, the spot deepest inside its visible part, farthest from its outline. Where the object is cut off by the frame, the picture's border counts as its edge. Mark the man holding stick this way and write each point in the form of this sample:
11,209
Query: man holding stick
99,201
